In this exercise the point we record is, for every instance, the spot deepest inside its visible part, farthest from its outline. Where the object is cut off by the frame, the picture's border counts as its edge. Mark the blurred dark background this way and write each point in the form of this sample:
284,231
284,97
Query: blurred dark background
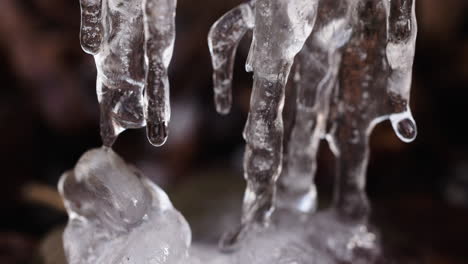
49,117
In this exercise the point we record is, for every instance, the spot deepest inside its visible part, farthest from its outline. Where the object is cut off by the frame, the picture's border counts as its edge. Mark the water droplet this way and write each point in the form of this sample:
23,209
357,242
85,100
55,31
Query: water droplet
404,126
407,129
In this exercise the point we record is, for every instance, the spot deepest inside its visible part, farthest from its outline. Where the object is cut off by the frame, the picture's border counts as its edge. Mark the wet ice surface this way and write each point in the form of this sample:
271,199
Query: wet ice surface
280,29
352,64
117,215
132,43
353,72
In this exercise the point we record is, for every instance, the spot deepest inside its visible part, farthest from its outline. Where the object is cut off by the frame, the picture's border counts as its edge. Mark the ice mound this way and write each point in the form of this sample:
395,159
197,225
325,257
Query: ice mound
116,215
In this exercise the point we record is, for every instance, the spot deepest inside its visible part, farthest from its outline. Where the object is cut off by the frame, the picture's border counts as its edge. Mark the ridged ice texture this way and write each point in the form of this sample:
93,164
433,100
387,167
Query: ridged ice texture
280,29
132,43
116,215
374,85
354,72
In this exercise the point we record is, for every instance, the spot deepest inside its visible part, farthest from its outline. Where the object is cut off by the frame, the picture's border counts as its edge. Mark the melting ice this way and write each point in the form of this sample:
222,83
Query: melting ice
132,43
351,62
353,72
117,215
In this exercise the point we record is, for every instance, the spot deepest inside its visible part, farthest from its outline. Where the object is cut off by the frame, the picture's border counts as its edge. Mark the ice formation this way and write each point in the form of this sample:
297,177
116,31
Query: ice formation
116,215
132,43
280,28
352,65
353,72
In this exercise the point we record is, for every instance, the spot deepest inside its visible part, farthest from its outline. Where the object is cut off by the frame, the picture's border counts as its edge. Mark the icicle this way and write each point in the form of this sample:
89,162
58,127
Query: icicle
120,79
223,40
132,50
317,70
91,32
374,86
280,31
159,17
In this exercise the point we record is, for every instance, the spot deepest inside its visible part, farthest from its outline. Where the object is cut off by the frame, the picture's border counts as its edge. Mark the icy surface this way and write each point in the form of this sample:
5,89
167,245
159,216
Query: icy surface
132,43
318,239
116,215
353,72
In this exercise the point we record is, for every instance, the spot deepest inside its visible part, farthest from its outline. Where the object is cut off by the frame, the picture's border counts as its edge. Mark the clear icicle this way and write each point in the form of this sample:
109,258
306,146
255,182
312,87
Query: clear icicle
280,31
354,72
159,17
402,31
120,79
317,68
91,32
128,61
374,85
223,39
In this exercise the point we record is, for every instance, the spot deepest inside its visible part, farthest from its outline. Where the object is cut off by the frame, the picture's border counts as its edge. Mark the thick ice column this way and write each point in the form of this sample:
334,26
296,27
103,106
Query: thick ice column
223,39
281,29
159,23
317,68
121,72
367,95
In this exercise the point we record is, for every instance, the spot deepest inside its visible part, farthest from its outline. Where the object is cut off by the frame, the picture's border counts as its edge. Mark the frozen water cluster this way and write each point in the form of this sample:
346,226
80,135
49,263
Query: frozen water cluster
351,64
132,42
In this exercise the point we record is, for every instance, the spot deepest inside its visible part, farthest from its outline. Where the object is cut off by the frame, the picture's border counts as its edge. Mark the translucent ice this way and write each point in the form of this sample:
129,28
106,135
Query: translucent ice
317,68
223,40
280,28
116,215
132,43
374,85
354,72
